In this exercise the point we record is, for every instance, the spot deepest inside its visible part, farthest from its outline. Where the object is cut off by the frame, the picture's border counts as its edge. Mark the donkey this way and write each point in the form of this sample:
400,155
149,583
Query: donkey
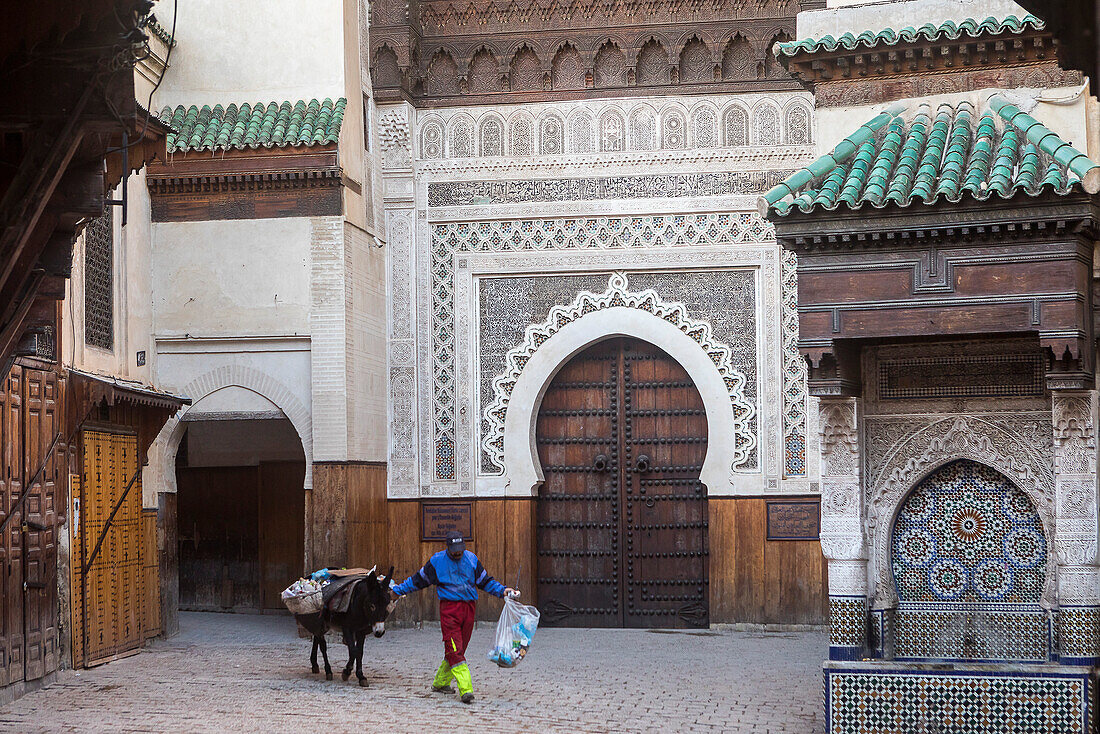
367,611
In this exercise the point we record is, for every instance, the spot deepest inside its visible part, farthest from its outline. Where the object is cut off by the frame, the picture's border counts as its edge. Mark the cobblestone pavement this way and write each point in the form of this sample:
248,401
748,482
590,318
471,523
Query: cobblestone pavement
228,672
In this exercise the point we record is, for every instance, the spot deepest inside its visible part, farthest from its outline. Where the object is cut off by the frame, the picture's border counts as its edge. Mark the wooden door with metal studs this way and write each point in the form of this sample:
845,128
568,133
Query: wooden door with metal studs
622,516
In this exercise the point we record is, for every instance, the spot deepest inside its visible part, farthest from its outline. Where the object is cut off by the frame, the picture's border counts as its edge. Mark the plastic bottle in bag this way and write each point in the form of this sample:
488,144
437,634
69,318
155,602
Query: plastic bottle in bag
515,629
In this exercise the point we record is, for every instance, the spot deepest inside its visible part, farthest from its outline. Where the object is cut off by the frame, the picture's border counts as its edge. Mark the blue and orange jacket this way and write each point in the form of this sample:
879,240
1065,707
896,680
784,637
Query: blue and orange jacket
453,580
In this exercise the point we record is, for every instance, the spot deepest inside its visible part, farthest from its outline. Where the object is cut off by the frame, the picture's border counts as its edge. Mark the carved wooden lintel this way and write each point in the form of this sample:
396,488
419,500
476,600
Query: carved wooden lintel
954,63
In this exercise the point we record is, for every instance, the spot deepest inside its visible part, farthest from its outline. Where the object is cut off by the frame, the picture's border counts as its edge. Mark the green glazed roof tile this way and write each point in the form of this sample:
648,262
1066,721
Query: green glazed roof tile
160,31
889,37
271,125
904,155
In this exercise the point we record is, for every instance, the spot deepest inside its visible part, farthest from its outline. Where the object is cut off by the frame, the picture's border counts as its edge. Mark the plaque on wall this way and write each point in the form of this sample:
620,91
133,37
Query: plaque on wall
439,518
794,519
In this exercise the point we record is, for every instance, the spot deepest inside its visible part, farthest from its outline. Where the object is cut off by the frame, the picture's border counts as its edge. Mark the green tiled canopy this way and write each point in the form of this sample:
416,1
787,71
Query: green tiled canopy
949,30
253,126
954,150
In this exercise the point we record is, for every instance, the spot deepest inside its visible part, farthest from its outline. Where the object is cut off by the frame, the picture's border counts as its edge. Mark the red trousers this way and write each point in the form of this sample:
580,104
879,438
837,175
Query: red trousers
456,619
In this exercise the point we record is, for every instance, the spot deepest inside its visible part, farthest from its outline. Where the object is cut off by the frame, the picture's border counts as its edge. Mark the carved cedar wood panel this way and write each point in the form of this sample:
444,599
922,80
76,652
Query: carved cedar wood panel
551,49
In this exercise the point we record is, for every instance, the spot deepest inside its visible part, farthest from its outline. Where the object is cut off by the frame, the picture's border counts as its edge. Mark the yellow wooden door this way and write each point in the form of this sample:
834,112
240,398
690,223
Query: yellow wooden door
109,605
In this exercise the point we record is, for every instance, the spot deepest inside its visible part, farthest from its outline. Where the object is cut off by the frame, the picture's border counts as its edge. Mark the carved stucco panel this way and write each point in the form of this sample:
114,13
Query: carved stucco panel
401,411
619,293
843,541
1013,444
393,137
638,263
624,125
1074,433
1076,538
519,189
839,438
425,378
1078,584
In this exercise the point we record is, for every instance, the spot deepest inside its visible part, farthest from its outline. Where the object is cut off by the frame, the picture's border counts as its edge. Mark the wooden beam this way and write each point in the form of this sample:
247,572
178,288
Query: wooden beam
13,329
40,172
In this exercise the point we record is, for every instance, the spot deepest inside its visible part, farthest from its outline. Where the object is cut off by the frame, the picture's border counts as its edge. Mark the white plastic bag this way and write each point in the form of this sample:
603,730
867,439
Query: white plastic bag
515,629
303,597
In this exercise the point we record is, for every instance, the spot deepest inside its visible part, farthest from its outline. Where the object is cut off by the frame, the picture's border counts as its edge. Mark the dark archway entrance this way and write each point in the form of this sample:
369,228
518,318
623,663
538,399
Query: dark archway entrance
622,515
241,511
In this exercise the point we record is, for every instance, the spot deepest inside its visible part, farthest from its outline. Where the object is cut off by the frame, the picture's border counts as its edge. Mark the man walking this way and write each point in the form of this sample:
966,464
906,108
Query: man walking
457,574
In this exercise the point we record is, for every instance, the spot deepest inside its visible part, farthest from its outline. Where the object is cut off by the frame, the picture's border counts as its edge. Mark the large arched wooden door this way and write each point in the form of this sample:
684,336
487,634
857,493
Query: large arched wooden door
622,515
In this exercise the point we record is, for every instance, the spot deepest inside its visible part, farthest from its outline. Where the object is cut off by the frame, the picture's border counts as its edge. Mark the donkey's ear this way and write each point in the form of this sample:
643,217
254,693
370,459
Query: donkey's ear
389,577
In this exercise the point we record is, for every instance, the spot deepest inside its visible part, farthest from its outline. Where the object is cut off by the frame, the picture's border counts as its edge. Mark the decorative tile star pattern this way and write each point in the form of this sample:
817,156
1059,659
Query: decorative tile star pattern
966,534
969,562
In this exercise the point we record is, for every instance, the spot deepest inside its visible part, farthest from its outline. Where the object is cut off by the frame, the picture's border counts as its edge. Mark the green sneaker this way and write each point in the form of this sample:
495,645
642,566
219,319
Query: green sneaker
461,673
443,677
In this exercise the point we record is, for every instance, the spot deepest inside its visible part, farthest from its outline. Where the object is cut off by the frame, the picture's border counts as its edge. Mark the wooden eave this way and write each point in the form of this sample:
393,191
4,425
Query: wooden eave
93,389
259,183
414,49
259,168
144,143
920,57
1076,26
948,270
1019,218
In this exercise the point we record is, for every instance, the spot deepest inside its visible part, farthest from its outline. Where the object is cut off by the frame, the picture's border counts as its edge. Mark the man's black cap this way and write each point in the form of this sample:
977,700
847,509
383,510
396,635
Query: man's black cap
455,543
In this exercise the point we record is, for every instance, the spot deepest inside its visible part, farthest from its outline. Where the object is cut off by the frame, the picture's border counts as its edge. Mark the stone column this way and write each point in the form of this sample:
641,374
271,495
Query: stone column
1076,526
842,538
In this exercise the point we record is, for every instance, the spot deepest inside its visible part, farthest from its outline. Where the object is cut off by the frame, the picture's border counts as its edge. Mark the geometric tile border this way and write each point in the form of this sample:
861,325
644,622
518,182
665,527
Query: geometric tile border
848,621
1079,634
862,698
934,633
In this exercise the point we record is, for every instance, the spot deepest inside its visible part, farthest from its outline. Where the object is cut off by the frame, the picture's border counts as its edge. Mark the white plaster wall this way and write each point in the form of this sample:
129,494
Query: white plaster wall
231,278
278,369
366,347
354,157
857,16
285,363
254,51
132,284
848,3
348,342
329,337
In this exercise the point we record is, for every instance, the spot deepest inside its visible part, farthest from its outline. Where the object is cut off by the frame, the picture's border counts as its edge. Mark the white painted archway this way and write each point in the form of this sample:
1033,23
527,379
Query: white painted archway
522,472
161,471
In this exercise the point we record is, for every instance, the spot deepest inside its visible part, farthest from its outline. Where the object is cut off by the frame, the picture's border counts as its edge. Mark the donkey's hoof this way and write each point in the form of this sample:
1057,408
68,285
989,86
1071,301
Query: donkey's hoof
362,682
328,676
345,675
316,669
